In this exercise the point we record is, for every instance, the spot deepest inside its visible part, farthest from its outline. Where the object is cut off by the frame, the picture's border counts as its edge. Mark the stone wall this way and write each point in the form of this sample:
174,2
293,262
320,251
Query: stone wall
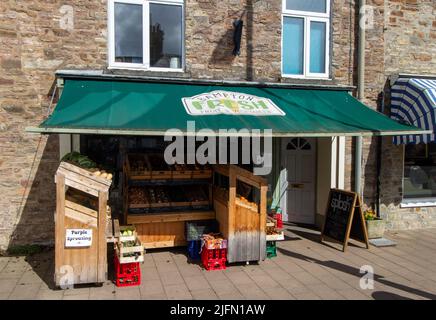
412,50
402,40
36,39
32,46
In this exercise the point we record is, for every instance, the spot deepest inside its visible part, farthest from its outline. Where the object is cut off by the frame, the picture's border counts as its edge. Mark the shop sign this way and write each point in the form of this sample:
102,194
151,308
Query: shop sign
344,218
230,103
78,238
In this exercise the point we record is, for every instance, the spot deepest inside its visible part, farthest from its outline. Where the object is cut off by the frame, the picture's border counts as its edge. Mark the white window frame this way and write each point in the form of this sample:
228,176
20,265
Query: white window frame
112,64
414,202
308,17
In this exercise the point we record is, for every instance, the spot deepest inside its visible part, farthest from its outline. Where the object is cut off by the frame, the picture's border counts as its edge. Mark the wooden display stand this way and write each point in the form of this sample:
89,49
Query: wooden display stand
242,224
76,261
165,228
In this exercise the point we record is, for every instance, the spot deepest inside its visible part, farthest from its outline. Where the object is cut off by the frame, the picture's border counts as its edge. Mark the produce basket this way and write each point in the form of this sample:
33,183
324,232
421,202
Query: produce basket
130,251
128,233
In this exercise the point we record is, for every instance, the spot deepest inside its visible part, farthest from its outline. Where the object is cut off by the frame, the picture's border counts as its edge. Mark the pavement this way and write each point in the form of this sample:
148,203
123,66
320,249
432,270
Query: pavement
303,269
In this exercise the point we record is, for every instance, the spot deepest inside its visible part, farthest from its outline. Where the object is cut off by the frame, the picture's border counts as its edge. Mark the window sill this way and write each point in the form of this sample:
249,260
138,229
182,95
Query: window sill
134,68
418,203
289,76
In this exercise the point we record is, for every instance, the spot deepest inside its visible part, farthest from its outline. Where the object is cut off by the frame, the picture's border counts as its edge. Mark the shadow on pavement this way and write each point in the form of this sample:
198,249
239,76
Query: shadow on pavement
356,272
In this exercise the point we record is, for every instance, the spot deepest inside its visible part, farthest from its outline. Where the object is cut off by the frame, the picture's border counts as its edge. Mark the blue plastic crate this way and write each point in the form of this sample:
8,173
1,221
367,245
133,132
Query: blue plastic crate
194,247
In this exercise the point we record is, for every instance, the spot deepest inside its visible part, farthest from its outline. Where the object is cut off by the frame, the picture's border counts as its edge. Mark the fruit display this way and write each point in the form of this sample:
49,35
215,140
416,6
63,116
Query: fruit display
163,194
138,195
84,162
158,195
271,230
213,241
101,173
247,202
273,234
79,160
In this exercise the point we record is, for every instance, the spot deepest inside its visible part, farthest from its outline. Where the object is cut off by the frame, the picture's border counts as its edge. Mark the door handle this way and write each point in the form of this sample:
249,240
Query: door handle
297,185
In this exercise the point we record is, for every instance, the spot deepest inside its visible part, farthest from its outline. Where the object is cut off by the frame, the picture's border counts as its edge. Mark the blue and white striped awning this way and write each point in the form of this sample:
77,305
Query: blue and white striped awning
413,101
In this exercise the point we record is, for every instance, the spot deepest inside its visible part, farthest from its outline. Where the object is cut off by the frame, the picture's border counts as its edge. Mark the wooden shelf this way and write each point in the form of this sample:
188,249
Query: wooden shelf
170,217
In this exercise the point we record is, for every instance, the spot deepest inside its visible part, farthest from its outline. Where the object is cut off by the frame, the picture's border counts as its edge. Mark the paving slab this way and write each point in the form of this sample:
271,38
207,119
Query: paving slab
25,292
178,292
197,283
7,285
207,294
46,294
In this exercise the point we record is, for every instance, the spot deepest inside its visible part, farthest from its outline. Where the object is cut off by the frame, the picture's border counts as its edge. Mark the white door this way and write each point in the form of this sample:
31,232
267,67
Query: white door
299,172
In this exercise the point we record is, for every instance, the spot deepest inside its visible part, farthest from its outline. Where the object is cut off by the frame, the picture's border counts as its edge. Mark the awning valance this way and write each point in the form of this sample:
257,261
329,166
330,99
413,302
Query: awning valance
414,103
150,108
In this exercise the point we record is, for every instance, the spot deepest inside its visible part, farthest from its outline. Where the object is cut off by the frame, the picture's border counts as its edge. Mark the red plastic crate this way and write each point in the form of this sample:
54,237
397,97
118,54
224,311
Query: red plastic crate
278,217
214,259
127,274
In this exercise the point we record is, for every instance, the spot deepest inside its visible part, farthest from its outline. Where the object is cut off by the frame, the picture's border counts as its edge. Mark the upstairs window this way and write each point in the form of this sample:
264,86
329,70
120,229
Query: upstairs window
146,34
305,38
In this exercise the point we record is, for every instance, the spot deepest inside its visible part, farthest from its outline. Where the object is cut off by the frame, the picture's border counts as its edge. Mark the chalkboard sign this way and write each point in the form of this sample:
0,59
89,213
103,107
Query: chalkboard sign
344,218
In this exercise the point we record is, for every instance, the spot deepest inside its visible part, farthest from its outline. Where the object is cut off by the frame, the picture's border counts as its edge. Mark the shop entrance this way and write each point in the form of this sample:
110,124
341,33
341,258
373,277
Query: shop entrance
299,164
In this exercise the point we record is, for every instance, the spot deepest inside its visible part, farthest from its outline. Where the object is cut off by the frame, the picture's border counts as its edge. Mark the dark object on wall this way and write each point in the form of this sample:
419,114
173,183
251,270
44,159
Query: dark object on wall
237,35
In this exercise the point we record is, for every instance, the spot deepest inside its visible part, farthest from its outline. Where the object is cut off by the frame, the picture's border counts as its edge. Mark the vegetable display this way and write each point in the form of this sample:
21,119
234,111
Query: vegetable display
84,162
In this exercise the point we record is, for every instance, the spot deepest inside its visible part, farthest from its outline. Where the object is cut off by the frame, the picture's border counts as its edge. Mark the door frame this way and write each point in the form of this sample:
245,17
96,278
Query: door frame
283,178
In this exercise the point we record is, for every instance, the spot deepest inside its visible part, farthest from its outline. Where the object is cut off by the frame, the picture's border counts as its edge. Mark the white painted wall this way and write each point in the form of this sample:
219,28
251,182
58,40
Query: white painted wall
331,170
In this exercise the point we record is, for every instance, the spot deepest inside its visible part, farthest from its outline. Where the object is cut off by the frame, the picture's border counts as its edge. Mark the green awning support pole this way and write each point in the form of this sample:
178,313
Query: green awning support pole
360,95
358,165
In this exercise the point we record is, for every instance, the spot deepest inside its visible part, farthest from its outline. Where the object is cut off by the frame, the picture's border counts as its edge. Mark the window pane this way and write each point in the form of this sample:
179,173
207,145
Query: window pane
419,171
293,45
128,33
165,36
317,47
307,5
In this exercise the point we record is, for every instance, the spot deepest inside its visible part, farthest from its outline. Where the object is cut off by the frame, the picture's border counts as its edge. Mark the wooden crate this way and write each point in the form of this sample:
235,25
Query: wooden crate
181,174
133,237
122,250
134,173
159,173
275,237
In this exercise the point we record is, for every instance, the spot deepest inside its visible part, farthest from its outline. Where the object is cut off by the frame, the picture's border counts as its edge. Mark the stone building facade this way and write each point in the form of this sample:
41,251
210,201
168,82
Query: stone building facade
39,37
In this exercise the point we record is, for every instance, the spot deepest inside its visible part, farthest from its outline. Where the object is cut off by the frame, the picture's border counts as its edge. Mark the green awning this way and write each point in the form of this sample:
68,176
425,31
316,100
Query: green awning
150,108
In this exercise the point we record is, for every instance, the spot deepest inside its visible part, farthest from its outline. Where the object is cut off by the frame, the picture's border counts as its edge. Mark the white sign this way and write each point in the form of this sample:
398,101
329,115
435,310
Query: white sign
78,238
230,103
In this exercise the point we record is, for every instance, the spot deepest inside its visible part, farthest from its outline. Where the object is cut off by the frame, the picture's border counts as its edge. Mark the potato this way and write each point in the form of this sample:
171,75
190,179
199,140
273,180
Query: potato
97,173
103,175
109,176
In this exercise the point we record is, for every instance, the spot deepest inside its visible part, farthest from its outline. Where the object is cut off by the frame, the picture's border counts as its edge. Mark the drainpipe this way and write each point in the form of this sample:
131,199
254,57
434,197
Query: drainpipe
360,96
